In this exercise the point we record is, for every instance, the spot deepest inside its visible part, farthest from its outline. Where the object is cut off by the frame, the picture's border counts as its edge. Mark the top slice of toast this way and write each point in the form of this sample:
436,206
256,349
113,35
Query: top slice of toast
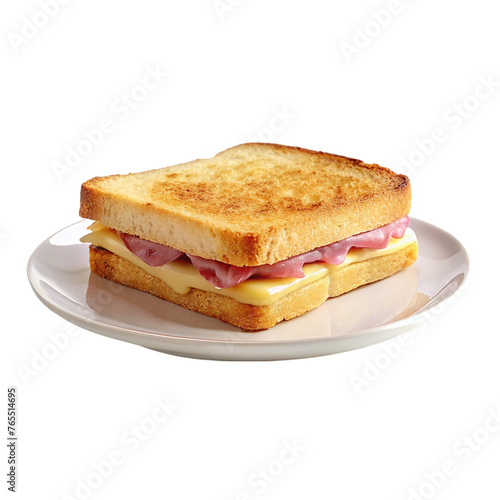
252,204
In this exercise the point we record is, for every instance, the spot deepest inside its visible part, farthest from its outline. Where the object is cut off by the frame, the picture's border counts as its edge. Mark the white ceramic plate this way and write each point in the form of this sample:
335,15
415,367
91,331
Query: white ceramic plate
59,274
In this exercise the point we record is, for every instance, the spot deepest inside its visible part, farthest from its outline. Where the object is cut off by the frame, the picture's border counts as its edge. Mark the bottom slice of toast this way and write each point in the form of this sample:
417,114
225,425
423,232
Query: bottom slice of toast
340,280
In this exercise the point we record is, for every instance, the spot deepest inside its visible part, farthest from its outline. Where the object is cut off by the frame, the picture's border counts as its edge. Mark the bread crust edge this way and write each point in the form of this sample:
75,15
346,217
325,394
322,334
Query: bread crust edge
244,248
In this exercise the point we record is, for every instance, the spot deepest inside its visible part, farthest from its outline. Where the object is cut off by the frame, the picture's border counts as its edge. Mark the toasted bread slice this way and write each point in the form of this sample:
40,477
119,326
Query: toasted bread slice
250,205
249,317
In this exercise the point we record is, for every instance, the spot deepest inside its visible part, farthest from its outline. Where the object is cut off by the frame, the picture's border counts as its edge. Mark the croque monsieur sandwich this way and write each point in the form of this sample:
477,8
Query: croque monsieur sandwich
257,234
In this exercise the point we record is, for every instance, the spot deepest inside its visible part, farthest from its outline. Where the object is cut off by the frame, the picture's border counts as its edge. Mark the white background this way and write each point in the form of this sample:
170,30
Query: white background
230,70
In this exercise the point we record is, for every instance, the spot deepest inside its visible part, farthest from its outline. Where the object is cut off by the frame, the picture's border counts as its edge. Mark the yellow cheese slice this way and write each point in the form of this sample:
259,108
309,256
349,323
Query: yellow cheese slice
181,275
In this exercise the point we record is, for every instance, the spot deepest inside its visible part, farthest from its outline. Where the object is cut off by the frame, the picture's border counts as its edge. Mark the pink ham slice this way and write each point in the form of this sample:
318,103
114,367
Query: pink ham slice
150,252
223,275
219,274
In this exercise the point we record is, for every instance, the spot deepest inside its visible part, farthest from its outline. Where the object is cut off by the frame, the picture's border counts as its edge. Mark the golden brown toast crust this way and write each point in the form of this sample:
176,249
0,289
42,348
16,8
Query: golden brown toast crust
252,204
113,267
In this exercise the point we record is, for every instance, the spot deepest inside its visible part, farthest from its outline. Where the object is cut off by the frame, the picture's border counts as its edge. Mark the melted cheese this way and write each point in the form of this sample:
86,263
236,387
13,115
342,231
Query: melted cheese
181,275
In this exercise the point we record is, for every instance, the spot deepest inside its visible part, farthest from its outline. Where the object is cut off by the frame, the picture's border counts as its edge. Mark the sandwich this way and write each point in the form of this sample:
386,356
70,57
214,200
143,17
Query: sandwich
258,234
